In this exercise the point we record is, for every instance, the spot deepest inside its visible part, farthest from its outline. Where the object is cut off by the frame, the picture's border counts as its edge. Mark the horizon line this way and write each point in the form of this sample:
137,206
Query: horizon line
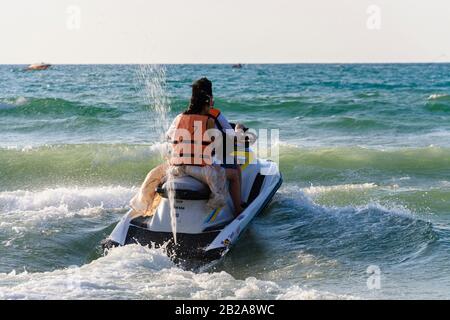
229,63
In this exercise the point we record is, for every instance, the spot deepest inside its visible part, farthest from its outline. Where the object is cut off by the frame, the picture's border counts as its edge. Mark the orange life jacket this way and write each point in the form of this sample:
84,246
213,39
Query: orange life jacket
214,113
189,141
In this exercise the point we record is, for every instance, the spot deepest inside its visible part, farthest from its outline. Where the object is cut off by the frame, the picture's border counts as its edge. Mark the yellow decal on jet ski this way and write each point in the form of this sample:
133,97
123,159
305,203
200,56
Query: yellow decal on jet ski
248,155
213,215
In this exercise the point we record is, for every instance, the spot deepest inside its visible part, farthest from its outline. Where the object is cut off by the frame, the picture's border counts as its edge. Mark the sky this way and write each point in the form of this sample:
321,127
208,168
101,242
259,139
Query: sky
225,31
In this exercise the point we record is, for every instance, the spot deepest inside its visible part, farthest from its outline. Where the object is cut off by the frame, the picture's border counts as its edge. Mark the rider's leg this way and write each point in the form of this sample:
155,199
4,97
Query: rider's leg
235,189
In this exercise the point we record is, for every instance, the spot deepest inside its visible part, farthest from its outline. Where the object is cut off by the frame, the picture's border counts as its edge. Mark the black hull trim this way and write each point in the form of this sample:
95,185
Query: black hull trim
266,203
270,197
189,246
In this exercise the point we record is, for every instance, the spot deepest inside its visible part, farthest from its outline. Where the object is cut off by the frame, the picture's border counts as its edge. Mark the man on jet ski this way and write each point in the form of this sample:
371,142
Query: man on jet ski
200,105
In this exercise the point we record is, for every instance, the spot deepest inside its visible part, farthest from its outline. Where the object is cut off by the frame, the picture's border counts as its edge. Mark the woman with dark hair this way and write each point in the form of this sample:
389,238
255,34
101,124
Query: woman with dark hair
202,93
228,161
191,136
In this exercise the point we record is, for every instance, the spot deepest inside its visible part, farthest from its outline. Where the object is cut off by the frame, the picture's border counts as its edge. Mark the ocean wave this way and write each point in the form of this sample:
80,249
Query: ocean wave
424,200
311,191
353,123
438,103
105,164
74,199
439,96
81,164
344,163
29,106
369,94
304,197
136,272
371,232
288,107
44,212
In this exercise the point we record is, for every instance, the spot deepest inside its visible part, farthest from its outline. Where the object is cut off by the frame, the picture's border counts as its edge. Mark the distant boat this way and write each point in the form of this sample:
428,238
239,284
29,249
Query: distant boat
38,66
237,66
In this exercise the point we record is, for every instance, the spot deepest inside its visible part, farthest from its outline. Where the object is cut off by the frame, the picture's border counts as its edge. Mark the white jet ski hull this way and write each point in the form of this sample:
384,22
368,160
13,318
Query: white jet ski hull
201,234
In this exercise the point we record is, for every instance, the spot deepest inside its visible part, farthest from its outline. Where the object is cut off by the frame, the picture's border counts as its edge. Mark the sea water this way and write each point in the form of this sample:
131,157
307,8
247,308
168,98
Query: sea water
364,211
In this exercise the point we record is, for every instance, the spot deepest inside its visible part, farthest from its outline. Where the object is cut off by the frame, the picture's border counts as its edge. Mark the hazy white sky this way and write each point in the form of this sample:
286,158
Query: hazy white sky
225,31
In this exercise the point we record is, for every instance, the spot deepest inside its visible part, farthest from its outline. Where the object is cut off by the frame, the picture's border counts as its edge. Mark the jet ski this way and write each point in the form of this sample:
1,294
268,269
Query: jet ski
201,233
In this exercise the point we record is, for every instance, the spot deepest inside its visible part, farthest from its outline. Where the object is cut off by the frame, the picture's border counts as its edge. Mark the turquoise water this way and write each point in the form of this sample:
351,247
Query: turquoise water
364,150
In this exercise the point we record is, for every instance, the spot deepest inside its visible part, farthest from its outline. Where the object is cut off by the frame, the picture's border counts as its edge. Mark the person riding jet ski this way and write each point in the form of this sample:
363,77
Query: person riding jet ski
201,103
184,205
224,158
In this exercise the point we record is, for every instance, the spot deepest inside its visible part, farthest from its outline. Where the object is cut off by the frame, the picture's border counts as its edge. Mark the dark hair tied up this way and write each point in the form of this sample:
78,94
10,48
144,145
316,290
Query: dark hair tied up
201,96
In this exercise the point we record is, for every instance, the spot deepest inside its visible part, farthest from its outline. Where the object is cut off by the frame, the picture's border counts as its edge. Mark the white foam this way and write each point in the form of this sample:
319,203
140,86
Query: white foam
305,200
444,183
23,148
22,210
342,188
73,198
136,272
297,293
11,104
20,101
437,96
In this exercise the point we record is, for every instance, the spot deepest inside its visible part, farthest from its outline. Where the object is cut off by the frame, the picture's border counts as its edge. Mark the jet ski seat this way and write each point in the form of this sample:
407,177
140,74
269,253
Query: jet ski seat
185,188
